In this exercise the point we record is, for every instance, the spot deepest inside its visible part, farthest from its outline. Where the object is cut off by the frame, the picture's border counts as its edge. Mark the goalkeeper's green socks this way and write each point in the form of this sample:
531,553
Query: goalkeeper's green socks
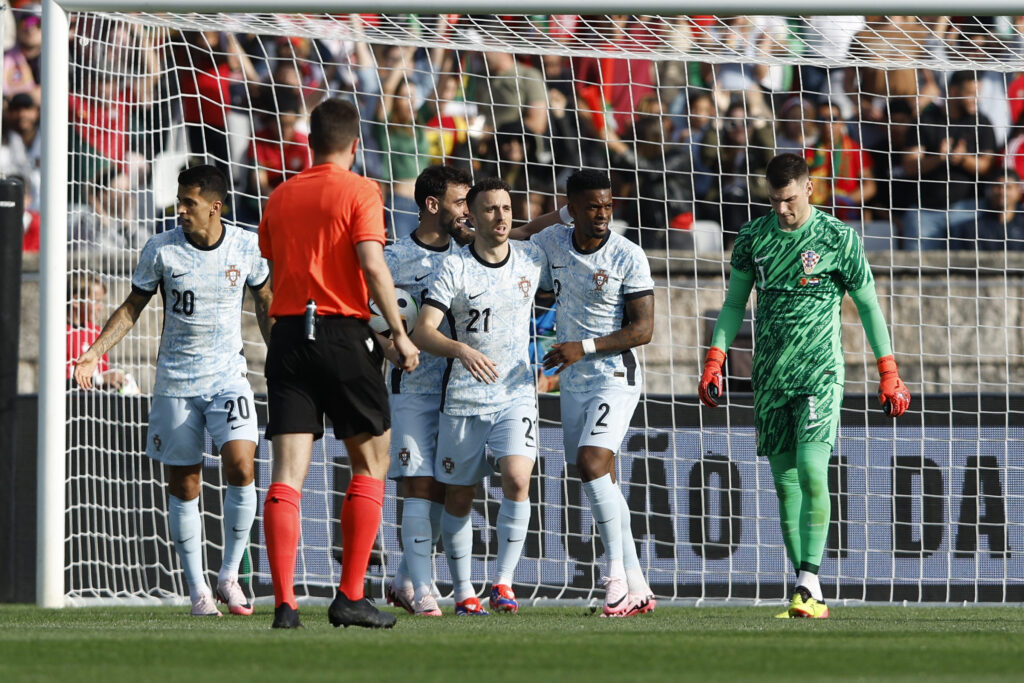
815,508
787,488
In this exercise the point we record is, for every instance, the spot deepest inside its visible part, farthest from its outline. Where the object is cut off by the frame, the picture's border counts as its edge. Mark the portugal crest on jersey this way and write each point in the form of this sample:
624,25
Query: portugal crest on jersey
232,274
600,279
524,287
403,457
809,259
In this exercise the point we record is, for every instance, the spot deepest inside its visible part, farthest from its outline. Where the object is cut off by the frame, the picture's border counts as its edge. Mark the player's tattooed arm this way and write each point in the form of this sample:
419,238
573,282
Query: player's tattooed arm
637,332
118,325
263,298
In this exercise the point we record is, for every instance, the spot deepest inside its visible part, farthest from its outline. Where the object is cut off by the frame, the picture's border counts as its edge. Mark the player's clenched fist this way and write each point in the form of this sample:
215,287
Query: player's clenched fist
892,392
711,387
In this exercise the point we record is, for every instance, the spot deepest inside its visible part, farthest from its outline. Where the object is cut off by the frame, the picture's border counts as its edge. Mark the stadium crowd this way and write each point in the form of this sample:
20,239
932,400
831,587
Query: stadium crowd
917,158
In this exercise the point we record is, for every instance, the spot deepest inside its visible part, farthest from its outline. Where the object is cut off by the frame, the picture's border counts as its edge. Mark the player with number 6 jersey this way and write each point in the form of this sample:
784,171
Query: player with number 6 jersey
489,401
201,270
802,262
605,309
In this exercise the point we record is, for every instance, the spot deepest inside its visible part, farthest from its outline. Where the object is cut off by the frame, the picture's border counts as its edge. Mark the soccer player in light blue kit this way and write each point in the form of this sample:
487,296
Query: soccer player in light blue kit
201,270
416,398
605,298
486,292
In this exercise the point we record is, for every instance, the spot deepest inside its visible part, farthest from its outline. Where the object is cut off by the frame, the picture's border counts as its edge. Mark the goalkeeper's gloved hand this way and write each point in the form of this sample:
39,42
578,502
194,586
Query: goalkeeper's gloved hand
711,387
892,392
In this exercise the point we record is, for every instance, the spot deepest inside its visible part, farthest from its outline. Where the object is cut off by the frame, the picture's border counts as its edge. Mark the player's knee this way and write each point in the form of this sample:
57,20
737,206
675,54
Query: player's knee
516,486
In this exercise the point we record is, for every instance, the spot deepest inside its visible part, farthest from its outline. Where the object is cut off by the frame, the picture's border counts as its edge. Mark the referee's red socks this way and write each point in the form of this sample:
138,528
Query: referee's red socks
360,522
281,525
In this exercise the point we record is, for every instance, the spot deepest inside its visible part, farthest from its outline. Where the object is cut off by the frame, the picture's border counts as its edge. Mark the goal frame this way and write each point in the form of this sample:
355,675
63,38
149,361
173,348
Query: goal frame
51,500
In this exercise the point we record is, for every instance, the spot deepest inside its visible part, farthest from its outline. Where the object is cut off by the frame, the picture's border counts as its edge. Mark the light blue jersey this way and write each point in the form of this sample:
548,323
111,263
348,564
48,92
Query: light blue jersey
489,306
592,288
202,289
413,266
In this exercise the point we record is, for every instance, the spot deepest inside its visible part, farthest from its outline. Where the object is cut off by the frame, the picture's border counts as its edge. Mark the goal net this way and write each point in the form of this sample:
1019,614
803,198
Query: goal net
911,127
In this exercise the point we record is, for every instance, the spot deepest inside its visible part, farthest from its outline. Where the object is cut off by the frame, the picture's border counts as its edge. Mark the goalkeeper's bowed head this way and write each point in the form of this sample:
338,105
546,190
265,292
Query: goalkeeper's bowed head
892,392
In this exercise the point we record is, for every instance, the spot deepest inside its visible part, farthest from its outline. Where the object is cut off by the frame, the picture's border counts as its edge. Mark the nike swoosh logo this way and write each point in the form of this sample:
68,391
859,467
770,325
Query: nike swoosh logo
238,531
184,540
556,267
476,295
459,557
617,602
180,274
604,522
812,426
234,427
420,540
593,433
758,260
517,540
421,277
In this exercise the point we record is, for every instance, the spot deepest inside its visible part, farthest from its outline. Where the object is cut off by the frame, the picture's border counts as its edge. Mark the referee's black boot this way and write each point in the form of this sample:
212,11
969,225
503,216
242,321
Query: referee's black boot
345,612
286,617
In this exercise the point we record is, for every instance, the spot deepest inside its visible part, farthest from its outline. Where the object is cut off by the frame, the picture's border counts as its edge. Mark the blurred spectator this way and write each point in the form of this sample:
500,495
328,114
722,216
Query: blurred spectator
955,151
87,297
109,222
21,146
405,150
22,63
882,40
1001,216
31,225
662,183
736,153
279,149
512,93
218,62
828,39
756,39
445,115
974,39
842,172
797,126
610,87
895,192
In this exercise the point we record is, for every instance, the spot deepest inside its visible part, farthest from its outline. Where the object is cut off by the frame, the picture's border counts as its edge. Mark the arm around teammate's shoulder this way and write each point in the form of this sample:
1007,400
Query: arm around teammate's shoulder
525,232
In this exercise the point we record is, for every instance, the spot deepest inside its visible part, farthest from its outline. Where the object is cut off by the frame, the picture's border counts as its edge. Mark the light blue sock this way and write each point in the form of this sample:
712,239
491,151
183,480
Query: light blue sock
605,507
630,560
513,522
435,521
417,548
239,513
458,547
187,535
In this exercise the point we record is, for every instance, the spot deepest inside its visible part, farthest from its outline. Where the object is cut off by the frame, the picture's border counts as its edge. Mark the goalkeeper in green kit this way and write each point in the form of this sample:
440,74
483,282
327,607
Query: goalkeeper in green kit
802,261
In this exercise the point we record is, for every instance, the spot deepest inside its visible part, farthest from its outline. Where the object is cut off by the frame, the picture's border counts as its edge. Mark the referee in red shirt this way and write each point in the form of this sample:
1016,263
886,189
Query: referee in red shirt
323,233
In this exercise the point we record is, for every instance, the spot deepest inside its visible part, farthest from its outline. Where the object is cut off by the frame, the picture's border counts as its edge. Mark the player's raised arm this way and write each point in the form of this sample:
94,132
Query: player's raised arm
120,322
382,290
524,232
429,338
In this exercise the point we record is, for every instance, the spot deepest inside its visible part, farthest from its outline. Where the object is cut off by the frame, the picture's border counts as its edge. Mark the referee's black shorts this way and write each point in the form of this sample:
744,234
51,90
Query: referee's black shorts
339,375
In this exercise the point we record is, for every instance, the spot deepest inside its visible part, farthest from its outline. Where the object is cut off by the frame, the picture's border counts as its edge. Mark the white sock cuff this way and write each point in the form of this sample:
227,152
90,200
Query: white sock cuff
515,509
416,507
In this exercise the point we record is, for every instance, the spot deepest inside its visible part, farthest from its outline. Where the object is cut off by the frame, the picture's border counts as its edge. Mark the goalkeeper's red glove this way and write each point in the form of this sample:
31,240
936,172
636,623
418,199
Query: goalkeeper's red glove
892,392
711,387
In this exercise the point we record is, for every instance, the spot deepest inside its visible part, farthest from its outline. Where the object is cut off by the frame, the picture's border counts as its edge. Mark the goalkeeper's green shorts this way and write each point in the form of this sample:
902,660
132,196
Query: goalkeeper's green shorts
785,418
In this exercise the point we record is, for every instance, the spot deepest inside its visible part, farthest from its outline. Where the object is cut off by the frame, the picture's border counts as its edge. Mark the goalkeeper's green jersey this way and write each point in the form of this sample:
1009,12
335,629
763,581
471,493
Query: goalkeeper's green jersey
800,277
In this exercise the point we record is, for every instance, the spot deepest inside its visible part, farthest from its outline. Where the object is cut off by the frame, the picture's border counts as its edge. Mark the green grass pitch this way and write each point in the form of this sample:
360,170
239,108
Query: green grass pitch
539,644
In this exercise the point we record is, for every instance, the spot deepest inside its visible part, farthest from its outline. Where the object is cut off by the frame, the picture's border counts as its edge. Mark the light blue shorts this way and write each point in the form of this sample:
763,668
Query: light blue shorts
414,419
597,418
469,447
175,435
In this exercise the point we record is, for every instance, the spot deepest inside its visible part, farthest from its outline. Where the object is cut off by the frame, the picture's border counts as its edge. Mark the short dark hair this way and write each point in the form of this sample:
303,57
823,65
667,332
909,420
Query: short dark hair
210,180
434,182
785,168
486,185
960,77
333,125
585,180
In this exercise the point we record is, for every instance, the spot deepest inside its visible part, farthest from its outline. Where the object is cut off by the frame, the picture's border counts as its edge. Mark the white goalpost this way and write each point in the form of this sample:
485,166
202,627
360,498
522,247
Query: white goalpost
682,111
